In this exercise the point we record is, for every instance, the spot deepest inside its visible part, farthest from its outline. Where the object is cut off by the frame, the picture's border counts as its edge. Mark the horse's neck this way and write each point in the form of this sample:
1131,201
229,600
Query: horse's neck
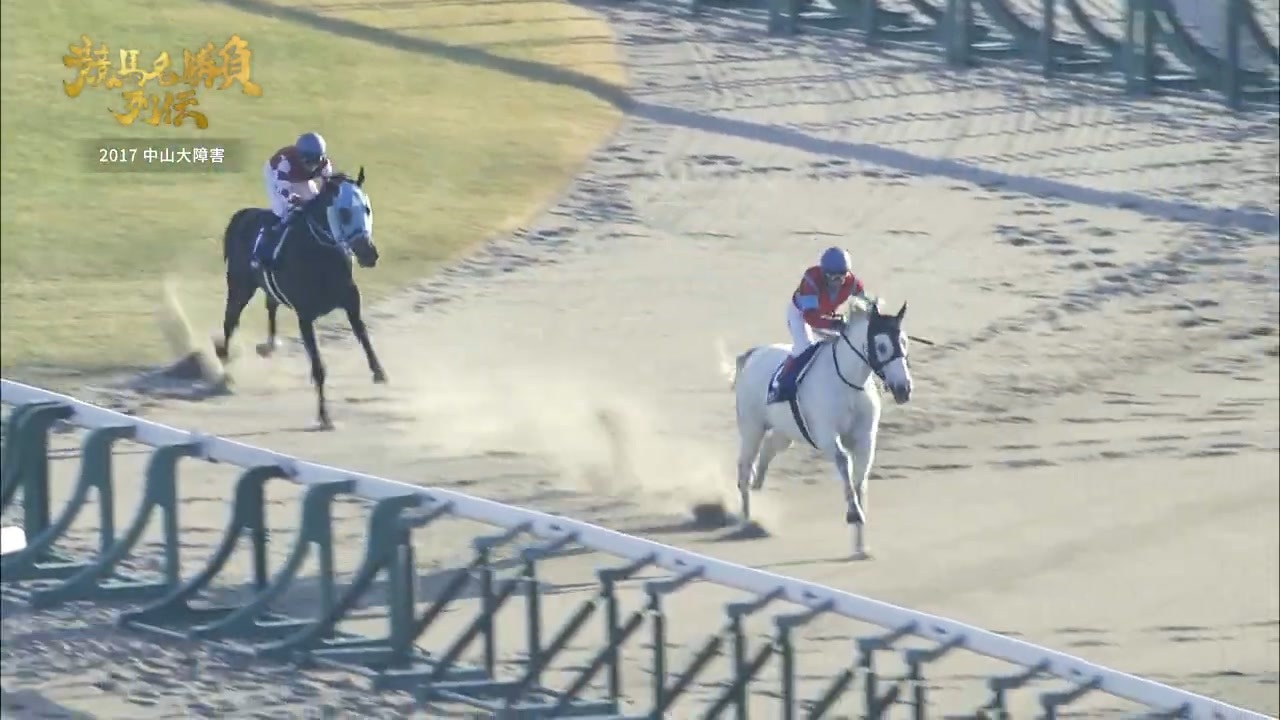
851,353
301,232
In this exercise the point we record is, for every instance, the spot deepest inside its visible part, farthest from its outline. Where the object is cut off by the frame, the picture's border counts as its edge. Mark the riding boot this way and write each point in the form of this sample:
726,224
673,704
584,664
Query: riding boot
264,252
786,382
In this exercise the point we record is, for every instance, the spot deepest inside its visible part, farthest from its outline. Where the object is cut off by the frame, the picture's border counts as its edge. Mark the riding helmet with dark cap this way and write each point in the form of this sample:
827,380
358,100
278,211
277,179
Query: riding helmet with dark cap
311,149
835,263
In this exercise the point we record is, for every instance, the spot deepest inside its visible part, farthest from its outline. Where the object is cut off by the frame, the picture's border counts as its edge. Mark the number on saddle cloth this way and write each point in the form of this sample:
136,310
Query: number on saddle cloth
786,379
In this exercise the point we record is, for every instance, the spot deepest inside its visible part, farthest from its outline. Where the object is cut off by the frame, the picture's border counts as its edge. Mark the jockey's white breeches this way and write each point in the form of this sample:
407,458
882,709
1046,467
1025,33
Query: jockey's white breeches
276,199
802,336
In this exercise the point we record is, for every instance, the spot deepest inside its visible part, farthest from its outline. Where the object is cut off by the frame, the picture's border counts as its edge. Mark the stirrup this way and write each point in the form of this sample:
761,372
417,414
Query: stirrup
788,366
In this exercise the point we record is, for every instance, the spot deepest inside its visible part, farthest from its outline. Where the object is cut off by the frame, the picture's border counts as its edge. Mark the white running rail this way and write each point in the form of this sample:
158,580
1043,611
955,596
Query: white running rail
1160,698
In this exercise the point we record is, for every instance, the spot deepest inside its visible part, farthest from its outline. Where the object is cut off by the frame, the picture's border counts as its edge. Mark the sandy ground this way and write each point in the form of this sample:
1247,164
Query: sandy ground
1089,462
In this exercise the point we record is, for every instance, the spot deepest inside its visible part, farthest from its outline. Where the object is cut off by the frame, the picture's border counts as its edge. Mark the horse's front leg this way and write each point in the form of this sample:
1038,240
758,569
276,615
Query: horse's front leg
306,327
272,344
855,512
862,444
352,306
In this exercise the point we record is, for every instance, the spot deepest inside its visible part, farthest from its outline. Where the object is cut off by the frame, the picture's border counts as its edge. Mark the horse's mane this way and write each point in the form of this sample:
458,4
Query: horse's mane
338,178
858,307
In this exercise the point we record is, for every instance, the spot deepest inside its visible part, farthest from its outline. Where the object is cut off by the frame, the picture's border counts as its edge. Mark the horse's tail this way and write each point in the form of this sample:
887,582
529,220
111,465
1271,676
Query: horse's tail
731,370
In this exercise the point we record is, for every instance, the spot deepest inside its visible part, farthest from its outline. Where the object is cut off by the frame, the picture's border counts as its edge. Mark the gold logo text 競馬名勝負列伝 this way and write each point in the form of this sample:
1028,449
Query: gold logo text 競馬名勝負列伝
162,93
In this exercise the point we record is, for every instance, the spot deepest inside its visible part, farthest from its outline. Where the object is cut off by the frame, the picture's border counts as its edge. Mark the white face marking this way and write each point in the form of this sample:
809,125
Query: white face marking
350,215
883,348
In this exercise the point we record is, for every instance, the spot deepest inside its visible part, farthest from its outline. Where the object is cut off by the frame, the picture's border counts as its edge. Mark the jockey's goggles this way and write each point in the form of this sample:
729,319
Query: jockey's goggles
834,278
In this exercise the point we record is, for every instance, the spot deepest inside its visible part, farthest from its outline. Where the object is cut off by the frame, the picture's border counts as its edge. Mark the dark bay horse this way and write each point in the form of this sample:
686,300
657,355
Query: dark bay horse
312,272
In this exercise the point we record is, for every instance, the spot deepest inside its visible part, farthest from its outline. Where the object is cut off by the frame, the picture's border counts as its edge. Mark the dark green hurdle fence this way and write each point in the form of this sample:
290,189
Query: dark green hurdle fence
627,601
1158,51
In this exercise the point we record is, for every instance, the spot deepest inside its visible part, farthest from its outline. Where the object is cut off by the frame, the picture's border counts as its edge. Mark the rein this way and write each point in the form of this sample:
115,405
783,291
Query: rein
323,236
835,358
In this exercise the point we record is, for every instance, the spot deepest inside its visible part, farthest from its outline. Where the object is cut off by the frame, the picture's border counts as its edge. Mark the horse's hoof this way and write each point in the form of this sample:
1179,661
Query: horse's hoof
325,425
749,530
854,517
379,378
225,385
266,349
861,555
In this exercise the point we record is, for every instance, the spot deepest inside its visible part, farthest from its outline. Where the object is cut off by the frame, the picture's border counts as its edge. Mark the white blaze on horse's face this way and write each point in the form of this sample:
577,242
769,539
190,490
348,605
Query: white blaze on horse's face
888,350
897,374
351,215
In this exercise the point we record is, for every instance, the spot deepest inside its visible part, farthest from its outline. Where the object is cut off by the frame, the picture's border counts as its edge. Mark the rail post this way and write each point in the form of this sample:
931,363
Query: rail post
998,706
916,660
1051,701
1232,82
655,590
609,579
26,463
1139,47
870,20
387,550
168,614
1048,30
958,30
98,579
38,561
786,625
876,704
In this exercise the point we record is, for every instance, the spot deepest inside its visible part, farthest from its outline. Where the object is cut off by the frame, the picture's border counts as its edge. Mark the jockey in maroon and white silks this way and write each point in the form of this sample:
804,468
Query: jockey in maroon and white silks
294,174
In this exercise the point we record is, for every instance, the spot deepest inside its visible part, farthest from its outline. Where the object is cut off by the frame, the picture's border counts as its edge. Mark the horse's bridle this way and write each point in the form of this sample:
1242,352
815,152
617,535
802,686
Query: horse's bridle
876,367
324,237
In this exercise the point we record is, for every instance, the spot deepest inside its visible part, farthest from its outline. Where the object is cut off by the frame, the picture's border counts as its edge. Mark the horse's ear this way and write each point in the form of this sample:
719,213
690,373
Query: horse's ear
360,177
902,311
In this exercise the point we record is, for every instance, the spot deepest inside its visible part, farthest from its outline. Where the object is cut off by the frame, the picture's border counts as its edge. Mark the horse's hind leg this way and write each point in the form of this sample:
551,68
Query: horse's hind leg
362,334
750,434
774,444
272,344
306,327
239,292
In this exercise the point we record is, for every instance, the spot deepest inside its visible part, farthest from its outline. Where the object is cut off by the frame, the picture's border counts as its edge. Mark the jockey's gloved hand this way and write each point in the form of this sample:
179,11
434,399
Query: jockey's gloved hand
838,323
295,200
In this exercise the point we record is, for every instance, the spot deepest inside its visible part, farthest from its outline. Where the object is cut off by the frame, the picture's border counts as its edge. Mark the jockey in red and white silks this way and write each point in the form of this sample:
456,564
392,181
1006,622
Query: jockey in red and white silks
815,305
823,289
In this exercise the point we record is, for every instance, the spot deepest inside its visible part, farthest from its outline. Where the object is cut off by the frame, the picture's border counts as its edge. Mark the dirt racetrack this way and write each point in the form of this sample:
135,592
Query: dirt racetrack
1089,460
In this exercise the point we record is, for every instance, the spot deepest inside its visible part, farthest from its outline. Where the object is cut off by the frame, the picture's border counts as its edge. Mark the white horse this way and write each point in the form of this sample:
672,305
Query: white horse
838,404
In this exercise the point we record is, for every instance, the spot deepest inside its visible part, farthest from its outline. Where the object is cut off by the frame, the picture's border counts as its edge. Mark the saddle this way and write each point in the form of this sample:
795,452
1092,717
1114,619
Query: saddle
267,244
784,386
785,381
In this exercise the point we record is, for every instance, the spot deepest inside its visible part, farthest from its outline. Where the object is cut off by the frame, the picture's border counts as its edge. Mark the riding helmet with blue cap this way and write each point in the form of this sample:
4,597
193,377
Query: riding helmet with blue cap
311,149
835,263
